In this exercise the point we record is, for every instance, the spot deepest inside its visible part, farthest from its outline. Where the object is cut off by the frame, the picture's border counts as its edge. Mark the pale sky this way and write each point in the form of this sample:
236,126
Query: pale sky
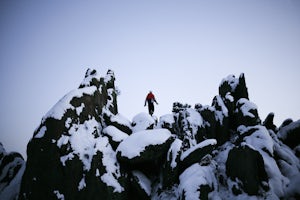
181,50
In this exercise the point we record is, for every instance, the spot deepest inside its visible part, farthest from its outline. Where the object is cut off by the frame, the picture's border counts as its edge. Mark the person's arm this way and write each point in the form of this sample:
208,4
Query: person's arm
145,102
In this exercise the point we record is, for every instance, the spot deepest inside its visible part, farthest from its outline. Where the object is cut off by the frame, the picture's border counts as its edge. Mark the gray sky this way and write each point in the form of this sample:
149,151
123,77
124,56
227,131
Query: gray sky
181,50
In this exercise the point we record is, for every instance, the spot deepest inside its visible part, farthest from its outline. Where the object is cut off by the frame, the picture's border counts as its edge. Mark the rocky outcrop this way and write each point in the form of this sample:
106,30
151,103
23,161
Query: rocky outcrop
69,156
85,149
12,167
246,165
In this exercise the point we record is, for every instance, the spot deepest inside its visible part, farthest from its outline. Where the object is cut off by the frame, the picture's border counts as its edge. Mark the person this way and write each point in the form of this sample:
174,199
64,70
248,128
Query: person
150,99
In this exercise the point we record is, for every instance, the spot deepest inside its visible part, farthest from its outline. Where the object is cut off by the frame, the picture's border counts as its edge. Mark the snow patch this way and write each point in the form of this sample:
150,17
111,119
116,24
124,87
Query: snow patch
41,133
136,143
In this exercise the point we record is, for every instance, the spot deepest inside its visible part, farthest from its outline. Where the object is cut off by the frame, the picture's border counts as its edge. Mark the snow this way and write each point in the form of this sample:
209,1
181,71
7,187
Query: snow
64,158
143,181
219,114
59,195
173,152
232,81
88,78
79,109
41,133
195,176
59,109
115,133
109,161
167,119
12,190
82,183
63,140
68,122
120,119
246,106
82,141
142,121
198,146
136,143
260,139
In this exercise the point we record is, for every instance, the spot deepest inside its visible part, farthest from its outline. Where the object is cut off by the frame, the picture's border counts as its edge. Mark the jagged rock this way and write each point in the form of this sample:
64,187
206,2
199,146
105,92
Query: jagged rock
285,123
222,118
177,107
189,127
85,149
115,136
168,122
290,134
70,148
117,121
170,169
196,153
246,113
142,121
237,87
198,182
12,167
247,165
268,123
140,186
210,121
144,150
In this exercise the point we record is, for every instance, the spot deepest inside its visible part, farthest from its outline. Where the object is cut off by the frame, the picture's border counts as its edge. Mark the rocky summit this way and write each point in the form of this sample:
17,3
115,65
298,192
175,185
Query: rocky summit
85,149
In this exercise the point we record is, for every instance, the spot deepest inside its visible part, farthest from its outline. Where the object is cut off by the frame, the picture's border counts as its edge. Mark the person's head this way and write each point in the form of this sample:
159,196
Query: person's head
150,91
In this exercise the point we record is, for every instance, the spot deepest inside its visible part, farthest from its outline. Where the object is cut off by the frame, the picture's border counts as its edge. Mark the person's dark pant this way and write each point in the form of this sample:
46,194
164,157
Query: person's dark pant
151,108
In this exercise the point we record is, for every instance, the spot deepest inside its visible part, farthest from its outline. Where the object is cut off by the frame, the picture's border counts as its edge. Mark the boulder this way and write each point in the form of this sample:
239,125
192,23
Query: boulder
145,150
290,134
246,113
246,165
142,121
198,182
196,153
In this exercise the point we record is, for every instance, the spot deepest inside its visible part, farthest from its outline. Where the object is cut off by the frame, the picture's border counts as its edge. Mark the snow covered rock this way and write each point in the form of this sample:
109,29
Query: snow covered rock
189,126
142,121
12,167
246,113
196,153
246,165
85,149
268,122
290,134
198,182
170,169
235,86
144,150
69,157
140,186
114,135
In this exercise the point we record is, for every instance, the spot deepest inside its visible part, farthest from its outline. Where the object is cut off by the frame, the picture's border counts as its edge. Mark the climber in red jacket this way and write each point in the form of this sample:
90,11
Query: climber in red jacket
150,99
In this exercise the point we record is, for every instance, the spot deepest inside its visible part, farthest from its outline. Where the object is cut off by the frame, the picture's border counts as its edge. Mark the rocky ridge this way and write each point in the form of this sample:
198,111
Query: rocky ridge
85,149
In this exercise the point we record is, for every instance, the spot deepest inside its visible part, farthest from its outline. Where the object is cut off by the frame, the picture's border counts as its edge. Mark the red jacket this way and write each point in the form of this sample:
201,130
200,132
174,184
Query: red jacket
150,98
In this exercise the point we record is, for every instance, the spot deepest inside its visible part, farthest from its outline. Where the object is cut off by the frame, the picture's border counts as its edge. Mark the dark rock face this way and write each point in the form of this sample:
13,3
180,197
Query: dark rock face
268,123
290,134
247,165
11,170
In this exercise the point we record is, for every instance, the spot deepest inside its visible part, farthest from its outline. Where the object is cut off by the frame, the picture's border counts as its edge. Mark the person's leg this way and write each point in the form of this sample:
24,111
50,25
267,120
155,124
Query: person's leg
151,108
